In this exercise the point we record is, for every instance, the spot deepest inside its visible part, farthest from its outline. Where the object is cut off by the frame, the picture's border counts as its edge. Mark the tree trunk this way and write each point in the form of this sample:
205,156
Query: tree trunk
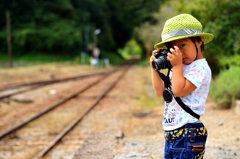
9,44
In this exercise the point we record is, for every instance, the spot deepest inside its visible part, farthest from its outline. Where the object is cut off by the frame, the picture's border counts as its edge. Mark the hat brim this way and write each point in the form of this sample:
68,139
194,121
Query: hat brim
206,39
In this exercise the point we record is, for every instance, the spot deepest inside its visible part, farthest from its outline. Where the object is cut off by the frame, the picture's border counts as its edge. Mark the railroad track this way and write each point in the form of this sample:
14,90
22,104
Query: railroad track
12,89
99,91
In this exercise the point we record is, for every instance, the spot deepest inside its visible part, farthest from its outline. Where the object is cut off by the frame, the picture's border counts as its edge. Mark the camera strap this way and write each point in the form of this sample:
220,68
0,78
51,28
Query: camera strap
168,92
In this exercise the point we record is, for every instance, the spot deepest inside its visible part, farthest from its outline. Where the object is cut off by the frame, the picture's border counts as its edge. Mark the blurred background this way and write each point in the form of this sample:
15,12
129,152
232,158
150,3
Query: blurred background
42,31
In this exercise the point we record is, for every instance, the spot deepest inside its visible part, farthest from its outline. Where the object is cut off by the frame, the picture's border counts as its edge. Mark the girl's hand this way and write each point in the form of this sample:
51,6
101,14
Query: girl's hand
152,58
176,57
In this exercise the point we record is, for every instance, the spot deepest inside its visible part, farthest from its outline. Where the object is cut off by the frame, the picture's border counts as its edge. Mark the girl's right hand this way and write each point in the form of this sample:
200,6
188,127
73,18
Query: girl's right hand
152,58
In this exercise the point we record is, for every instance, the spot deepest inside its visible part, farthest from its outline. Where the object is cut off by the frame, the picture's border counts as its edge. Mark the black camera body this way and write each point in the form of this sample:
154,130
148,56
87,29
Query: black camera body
161,62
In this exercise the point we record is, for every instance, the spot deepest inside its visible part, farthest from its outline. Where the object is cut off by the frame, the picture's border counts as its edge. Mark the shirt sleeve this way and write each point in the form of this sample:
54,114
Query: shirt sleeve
196,75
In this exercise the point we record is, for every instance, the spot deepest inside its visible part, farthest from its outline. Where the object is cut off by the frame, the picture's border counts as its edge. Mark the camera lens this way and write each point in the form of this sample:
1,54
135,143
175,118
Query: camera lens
155,66
159,63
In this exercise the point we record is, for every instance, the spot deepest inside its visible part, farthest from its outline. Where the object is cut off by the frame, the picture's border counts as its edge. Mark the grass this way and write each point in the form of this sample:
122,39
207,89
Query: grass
39,58
31,60
146,97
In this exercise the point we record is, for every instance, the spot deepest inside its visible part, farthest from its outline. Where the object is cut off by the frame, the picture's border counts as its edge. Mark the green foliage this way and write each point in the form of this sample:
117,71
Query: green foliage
4,58
226,87
113,58
226,61
43,58
219,17
143,63
60,25
33,59
131,49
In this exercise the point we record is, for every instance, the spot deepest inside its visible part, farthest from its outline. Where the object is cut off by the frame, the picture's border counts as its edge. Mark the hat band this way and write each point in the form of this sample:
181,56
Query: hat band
181,32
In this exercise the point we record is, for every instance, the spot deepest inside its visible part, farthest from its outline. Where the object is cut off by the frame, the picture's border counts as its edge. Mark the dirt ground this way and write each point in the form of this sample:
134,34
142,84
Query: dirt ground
142,123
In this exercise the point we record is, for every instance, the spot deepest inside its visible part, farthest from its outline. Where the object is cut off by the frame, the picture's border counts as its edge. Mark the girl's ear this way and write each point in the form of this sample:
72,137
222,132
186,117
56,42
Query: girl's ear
199,40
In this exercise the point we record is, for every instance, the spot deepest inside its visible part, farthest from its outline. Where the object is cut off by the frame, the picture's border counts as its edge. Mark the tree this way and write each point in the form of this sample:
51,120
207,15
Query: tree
219,17
58,26
9,41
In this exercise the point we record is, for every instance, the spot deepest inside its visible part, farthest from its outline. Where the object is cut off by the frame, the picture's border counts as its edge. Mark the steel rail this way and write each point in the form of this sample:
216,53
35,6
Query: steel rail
10,86
78,119
51,107
22,91
38,84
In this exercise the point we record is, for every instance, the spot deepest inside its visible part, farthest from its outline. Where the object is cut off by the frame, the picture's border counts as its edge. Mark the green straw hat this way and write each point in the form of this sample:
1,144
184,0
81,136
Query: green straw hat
180,27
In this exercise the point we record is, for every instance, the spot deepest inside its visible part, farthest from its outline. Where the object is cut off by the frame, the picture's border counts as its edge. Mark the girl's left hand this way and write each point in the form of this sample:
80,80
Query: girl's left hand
176,57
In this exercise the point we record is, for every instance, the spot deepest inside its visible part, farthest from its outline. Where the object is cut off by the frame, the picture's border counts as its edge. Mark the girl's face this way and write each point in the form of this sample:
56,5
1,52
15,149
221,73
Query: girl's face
188,49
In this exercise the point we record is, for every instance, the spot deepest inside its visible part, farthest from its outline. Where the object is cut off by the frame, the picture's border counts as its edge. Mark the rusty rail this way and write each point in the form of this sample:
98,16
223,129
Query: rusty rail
38,84
123,67
51,107
78,119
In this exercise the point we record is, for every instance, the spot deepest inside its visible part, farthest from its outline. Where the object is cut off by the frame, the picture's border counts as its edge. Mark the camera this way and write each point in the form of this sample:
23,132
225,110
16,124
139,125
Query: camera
161,62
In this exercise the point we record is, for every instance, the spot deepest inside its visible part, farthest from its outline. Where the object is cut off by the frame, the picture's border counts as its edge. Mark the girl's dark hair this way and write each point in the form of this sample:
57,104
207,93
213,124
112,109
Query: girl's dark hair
196,38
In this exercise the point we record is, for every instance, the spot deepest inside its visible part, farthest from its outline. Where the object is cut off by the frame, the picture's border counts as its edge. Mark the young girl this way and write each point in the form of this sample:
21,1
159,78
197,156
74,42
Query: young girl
185,135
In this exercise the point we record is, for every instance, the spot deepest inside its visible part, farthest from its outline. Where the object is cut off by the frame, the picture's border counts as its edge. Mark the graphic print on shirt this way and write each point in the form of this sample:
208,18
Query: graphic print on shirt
169,114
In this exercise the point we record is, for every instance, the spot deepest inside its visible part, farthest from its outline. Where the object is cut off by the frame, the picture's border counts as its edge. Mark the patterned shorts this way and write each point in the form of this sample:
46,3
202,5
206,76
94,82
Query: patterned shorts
187,142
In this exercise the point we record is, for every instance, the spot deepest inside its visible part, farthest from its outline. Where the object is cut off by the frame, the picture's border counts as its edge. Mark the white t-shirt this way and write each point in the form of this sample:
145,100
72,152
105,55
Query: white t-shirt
198,73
